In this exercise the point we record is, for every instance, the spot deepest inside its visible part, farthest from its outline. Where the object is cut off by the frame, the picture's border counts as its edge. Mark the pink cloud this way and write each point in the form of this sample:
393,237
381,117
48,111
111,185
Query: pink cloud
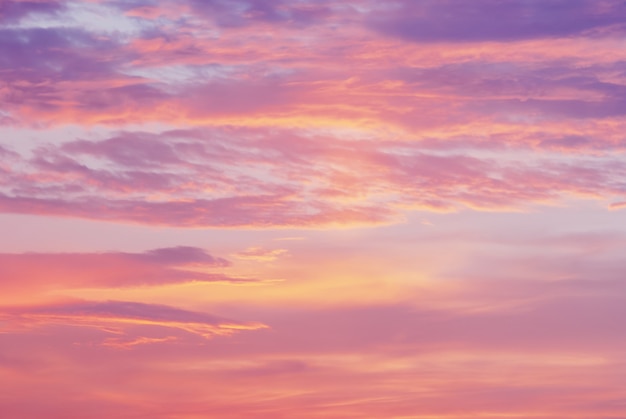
260,254
342,362
617,205
237,177
119,317
431,21
288,80
56,271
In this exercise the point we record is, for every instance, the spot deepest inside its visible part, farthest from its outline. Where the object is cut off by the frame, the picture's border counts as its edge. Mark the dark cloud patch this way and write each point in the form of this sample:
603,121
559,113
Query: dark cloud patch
13,11
240,13
38,64
57,53
183,255
495,20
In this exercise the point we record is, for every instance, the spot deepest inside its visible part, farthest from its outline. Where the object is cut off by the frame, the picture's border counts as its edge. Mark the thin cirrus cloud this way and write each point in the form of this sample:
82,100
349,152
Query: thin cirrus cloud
260,254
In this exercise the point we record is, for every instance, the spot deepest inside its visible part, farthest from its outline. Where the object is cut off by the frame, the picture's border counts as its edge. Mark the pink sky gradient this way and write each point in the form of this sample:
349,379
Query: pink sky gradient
312,209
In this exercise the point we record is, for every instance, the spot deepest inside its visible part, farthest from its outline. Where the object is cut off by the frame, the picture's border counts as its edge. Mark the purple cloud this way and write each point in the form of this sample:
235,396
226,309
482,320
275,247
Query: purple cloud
239,13
122,318
182,255
57,54
128,149
265,178
494,20
12,11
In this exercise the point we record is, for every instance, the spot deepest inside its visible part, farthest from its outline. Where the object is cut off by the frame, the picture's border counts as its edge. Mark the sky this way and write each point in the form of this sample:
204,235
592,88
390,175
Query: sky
312,209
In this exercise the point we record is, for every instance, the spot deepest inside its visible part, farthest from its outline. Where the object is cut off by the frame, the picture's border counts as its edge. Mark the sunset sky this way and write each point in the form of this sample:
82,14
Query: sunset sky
285,209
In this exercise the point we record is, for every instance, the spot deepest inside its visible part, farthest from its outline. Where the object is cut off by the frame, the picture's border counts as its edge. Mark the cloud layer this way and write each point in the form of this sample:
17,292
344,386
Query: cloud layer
453,172
316,119
247,177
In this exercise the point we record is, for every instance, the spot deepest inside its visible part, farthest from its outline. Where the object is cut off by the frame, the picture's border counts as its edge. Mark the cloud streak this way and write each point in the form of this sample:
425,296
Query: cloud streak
121,317
166,266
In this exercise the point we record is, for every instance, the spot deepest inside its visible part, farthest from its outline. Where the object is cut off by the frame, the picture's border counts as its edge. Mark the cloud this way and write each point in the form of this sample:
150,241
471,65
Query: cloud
14,10
617,205
23,272
124,318
506,316
182,255
260,254
264,178
63,55
334,361
249,12
168,70
492,20
248,211
303,114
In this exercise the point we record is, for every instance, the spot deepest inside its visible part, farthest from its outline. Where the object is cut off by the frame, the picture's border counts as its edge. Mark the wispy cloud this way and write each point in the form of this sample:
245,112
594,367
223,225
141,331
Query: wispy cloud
25,272
260,254
123,318
230,177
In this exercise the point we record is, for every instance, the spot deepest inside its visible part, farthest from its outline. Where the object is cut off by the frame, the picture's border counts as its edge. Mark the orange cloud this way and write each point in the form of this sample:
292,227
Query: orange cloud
261,255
